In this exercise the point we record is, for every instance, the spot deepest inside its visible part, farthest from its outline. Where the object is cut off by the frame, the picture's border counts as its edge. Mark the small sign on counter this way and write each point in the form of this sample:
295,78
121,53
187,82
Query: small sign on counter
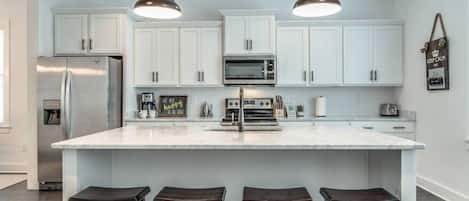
173,106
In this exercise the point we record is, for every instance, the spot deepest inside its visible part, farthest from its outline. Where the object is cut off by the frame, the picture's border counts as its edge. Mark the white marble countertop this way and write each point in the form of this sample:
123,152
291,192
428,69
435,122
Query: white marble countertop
204,138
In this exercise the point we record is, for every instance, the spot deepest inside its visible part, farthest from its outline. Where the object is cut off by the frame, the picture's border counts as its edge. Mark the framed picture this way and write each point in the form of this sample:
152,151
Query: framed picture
172,106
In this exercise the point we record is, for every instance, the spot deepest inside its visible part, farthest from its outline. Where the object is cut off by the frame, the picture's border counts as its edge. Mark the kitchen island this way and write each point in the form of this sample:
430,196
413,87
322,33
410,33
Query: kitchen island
200,156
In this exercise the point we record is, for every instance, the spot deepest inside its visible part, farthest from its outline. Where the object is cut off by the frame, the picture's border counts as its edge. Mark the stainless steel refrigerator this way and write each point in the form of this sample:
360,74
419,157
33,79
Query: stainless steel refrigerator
77,96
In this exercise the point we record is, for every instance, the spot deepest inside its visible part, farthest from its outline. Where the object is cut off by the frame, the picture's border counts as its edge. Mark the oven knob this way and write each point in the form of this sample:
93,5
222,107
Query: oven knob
262,104
267,104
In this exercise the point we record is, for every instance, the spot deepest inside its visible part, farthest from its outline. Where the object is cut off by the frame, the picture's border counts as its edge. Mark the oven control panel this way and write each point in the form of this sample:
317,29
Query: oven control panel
250,103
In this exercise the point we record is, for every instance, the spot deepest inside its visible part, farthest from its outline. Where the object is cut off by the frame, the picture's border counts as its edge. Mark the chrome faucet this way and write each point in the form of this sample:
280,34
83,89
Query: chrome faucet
241,110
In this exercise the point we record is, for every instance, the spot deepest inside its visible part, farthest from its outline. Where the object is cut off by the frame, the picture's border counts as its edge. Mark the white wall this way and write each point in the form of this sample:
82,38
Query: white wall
17,148
442,116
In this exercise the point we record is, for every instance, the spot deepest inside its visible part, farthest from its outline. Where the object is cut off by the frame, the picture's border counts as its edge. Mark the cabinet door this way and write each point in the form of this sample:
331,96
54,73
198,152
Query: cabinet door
235,35
167,57
358,57
211,56
261,33
190,54
71,34
292,56
388,55
143,57
326,56
105,34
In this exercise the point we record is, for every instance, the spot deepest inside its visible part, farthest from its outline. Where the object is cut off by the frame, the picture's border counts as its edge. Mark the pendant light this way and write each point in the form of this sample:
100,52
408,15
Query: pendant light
158,9
316,8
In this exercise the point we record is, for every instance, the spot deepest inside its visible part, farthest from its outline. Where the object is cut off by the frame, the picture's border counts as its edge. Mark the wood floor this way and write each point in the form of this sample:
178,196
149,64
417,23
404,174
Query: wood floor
18,192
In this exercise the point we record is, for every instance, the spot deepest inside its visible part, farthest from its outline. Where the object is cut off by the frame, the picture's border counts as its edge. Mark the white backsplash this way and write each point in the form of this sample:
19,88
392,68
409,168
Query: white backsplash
346,101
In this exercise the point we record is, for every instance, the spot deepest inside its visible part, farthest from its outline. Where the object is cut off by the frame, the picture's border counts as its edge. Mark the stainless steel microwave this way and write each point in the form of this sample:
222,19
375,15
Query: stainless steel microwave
250,70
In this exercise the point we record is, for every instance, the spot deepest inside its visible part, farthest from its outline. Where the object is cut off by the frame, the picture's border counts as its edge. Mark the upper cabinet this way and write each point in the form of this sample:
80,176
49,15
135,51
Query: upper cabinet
292,56
373,55
325,44
249,35
201,57
309,56
156,57
88,34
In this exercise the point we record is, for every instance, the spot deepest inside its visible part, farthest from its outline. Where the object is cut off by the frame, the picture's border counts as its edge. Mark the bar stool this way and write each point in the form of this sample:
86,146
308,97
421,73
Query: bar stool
185,194
375,194
111,194
291,194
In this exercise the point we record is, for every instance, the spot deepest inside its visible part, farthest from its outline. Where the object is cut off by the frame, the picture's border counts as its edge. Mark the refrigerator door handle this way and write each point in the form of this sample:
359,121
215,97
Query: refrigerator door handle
63,122
68,109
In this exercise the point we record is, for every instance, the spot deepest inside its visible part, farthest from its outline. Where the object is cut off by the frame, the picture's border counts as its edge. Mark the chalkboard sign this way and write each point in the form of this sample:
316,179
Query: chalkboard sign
173,106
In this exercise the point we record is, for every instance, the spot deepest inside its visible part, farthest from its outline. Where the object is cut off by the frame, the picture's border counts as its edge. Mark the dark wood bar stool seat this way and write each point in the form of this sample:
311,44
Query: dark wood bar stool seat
111,194
375,194
185,194
261,194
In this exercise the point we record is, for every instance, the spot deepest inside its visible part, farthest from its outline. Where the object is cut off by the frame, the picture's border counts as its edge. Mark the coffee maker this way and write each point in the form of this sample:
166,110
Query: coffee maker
146,102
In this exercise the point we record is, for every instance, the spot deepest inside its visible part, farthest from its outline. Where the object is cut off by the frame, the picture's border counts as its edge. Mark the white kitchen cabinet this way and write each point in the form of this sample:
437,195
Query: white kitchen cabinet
166,57
399,129
373,55
105,34
292,56
249,35
95,34
143,57
332,123
201,56
388,55
71,34
358,55
325,56
156,57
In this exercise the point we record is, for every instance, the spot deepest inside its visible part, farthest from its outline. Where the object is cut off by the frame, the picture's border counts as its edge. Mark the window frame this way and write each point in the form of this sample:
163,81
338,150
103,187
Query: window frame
5,124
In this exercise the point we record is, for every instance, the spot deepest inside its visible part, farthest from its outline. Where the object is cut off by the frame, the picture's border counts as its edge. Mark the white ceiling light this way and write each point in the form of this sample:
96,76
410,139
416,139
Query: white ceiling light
158,9
316,8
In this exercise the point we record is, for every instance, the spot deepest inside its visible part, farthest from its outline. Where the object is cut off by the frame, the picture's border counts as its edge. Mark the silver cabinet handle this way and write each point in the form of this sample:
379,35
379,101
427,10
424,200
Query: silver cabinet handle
250,44
153,77
304,75
312,76
91,44
368,127
83,44
157,77
198,76
399,127
203,76
246,45
376,75
371,75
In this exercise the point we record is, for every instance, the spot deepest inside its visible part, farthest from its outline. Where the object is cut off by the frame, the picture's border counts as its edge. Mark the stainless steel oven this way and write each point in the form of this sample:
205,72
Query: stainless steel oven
247,70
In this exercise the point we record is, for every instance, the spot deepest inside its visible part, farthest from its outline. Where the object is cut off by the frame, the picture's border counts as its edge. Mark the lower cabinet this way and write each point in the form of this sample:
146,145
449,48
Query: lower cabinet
396,128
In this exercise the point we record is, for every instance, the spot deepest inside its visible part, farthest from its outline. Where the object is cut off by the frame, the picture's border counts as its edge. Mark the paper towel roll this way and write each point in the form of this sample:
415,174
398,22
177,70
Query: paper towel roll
321,106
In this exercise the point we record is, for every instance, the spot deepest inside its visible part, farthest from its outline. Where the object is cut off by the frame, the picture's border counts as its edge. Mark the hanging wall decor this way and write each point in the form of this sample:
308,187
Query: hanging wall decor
437,59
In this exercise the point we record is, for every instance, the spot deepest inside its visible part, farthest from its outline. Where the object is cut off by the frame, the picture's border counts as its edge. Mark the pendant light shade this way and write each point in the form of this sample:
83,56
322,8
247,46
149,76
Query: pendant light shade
158,9
316,8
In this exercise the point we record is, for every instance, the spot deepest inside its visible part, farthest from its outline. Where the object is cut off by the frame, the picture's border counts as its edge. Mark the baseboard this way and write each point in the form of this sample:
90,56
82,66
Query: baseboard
13,168
440,190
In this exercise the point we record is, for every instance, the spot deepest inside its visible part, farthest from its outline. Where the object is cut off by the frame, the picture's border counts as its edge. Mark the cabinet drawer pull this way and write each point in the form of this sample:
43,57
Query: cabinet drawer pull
399,127
246,44
203,76
312,76
368,127
371,75
156,77
83,44
376,75
304,75
91,44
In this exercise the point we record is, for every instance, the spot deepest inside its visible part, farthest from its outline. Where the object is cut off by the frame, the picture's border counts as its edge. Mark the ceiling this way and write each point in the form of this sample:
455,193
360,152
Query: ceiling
208,9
